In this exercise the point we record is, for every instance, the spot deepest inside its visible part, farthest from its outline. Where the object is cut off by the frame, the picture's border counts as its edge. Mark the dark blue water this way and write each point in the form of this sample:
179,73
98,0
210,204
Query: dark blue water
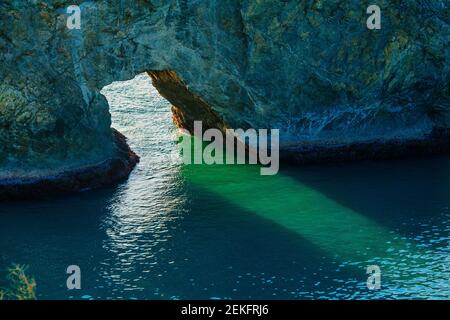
206,232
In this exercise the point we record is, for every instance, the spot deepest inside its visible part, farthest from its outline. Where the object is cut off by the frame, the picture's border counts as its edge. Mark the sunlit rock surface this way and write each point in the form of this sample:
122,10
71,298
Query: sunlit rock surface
309,68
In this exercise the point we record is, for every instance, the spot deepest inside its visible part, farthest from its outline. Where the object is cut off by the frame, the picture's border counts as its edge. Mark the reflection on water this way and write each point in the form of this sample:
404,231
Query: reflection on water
174,231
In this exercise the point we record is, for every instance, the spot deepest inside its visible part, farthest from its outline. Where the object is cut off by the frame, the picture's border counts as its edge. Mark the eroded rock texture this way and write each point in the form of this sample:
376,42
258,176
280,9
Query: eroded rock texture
187,107
309,68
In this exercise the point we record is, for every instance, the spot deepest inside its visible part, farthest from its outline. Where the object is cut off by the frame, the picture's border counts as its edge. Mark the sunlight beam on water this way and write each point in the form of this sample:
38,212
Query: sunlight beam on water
327,224
296,206
339,231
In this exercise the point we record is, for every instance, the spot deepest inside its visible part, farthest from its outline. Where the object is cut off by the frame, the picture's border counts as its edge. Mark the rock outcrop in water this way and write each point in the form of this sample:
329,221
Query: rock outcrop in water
309,68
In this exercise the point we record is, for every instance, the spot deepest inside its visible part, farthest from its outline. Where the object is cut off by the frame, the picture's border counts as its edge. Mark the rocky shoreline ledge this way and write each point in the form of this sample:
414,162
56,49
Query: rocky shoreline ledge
108,172
117,169
436,143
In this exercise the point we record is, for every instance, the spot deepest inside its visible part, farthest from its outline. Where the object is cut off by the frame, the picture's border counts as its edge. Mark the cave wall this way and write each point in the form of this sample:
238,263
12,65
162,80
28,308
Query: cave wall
309,68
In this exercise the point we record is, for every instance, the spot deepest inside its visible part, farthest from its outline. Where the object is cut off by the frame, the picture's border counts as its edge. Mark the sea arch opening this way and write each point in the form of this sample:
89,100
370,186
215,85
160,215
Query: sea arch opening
290,204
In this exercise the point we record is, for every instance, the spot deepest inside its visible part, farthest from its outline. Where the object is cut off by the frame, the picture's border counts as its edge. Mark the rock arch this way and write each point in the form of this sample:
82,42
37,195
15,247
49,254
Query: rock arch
311,69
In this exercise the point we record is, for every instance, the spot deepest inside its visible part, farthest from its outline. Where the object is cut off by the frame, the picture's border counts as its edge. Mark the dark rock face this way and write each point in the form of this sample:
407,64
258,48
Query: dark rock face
186,106
437,142
108,172
309,68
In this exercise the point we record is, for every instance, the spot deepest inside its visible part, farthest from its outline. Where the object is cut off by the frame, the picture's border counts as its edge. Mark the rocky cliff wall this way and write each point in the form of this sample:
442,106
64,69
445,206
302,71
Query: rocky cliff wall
309,68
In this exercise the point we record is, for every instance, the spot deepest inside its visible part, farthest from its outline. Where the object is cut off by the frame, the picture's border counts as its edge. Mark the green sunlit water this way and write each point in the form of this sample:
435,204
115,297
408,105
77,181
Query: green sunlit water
175,231
339,231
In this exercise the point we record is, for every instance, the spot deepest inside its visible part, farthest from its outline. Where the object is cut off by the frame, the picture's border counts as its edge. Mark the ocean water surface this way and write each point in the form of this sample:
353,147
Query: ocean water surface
173,231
